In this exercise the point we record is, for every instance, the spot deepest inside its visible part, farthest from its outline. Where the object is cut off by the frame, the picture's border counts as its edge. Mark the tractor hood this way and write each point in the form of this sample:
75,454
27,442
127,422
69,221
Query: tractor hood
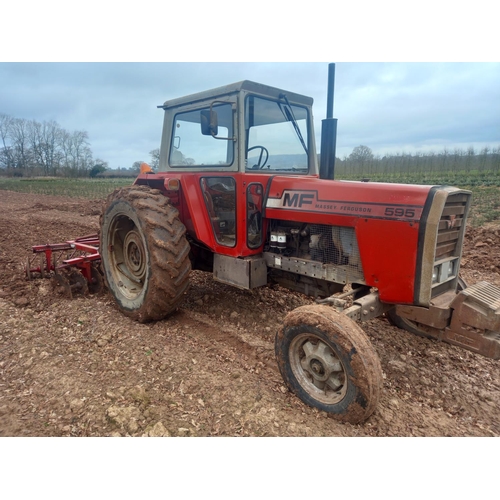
402,231
318,197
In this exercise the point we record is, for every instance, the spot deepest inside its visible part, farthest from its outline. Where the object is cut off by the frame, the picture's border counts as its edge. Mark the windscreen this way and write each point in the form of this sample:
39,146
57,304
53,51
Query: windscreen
277,135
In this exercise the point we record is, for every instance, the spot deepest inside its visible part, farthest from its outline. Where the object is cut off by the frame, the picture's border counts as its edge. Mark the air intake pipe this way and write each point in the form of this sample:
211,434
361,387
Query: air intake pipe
328,132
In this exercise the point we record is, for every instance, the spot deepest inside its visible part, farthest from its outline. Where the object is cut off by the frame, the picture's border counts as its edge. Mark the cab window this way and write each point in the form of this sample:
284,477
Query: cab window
190,148
276,135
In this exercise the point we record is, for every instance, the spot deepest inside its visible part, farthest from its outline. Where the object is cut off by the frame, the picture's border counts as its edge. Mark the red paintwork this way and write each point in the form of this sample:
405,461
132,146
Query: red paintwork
387,242
387,245
193,212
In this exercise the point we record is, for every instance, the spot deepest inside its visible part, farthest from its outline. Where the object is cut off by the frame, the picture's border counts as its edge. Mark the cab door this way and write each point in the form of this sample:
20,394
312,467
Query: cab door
254,222
219,194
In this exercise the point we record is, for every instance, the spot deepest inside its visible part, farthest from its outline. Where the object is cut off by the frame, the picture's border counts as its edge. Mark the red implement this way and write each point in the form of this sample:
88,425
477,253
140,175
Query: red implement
80,253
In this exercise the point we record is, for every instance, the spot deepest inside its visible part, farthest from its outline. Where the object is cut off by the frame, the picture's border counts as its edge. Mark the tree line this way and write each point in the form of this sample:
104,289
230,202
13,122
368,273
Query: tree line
363,161
31,148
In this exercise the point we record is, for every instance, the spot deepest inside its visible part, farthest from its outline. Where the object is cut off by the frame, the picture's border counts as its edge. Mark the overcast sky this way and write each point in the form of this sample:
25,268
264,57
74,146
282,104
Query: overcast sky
390,107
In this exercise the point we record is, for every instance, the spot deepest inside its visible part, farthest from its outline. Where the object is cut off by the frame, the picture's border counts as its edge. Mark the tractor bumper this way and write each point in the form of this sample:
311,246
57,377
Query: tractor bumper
475,320
469,319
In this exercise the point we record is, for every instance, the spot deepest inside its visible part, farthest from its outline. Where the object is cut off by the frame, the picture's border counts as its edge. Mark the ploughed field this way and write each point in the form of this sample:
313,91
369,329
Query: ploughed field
80,368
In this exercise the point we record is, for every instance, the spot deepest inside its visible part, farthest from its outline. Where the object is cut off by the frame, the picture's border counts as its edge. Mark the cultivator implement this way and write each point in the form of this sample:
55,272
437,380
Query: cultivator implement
72,265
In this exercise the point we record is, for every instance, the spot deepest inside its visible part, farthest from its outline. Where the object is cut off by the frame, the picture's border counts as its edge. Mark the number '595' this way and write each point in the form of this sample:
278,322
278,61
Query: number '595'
399,212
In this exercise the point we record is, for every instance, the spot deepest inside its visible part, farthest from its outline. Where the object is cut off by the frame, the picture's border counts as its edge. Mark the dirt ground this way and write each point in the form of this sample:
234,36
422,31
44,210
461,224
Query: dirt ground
81,368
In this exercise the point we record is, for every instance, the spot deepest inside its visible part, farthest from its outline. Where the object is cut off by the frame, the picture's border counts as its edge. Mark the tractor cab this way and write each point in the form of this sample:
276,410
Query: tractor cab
219,152
243,127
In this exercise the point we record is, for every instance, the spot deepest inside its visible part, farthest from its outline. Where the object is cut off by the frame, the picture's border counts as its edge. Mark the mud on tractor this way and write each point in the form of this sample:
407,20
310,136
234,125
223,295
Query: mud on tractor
240,192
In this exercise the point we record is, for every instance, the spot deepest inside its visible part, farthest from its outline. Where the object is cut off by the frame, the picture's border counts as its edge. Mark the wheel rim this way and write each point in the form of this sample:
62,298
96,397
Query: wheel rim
128,257
318,369
133,254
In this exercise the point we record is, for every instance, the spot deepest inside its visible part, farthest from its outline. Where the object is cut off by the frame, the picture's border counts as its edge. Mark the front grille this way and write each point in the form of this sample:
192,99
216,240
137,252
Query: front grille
449,241
450,226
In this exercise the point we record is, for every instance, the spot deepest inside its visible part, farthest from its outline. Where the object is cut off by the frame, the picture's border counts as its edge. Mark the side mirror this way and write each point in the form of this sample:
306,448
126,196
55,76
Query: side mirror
209,122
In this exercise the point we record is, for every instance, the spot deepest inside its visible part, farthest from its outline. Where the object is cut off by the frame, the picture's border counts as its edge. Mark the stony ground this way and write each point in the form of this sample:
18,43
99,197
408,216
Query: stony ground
80,368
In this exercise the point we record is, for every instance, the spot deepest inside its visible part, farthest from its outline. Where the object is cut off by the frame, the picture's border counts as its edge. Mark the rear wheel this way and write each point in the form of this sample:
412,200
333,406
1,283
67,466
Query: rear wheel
327,361
144,252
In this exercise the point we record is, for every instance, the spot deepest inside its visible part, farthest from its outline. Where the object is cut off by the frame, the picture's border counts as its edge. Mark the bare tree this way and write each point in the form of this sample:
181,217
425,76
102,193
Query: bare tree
469,158
361,154
6,154
21,146
483,158
136,167
30,147
45,144
80,154
155,158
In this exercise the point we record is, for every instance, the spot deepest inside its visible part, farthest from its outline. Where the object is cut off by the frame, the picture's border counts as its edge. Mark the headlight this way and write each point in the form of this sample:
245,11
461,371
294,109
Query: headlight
435,274
444,271
450,268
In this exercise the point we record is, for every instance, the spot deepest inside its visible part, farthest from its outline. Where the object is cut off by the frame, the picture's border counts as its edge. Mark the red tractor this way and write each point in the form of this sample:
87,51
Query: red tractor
239,192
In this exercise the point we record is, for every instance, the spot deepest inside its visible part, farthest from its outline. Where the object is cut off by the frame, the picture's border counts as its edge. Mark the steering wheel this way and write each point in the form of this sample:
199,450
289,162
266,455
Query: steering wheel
262,151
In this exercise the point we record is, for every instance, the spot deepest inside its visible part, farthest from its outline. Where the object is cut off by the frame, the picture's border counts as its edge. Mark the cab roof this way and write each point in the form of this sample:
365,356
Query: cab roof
245,86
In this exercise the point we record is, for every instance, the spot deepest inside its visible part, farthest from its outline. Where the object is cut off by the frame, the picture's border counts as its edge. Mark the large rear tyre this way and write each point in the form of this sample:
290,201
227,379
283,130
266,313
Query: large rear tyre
326,360
144,252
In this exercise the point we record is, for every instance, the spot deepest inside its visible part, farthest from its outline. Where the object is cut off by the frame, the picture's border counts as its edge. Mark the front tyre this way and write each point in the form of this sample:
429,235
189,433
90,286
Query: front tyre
326,360
144,253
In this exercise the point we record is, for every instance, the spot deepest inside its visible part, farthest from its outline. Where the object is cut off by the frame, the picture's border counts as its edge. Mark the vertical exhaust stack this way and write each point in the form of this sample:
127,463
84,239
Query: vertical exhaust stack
328,132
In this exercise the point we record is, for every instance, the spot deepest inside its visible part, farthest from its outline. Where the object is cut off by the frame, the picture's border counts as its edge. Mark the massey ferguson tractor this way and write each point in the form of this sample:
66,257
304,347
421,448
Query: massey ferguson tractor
241,193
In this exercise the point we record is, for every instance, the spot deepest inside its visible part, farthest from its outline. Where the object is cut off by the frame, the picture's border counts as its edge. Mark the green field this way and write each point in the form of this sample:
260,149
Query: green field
62,186
485,205
462,178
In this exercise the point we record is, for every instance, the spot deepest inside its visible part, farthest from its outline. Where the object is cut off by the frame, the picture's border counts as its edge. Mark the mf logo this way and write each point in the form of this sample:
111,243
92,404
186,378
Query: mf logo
297,199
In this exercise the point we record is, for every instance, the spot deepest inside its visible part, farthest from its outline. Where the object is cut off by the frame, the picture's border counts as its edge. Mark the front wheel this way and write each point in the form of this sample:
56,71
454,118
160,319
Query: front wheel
326,360
144,252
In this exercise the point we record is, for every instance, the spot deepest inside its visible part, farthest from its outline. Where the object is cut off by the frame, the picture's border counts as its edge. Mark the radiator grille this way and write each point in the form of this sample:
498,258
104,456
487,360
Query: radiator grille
450,226
450,233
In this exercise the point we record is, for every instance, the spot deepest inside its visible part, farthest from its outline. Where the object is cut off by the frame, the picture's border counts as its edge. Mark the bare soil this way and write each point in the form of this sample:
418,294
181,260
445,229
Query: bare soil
81,368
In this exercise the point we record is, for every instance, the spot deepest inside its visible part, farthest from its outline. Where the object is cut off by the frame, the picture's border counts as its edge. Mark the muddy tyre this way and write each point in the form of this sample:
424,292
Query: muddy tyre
145,254
327,361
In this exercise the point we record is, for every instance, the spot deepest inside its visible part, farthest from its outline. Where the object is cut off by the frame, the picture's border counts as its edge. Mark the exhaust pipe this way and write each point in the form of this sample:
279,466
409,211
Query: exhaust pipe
328,132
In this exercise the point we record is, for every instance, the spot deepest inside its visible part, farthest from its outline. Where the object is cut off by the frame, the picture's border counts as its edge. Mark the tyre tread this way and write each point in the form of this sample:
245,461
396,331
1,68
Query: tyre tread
352,339
168,254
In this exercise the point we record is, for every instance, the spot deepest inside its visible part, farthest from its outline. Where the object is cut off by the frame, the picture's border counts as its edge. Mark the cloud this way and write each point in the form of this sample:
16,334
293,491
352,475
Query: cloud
387,106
